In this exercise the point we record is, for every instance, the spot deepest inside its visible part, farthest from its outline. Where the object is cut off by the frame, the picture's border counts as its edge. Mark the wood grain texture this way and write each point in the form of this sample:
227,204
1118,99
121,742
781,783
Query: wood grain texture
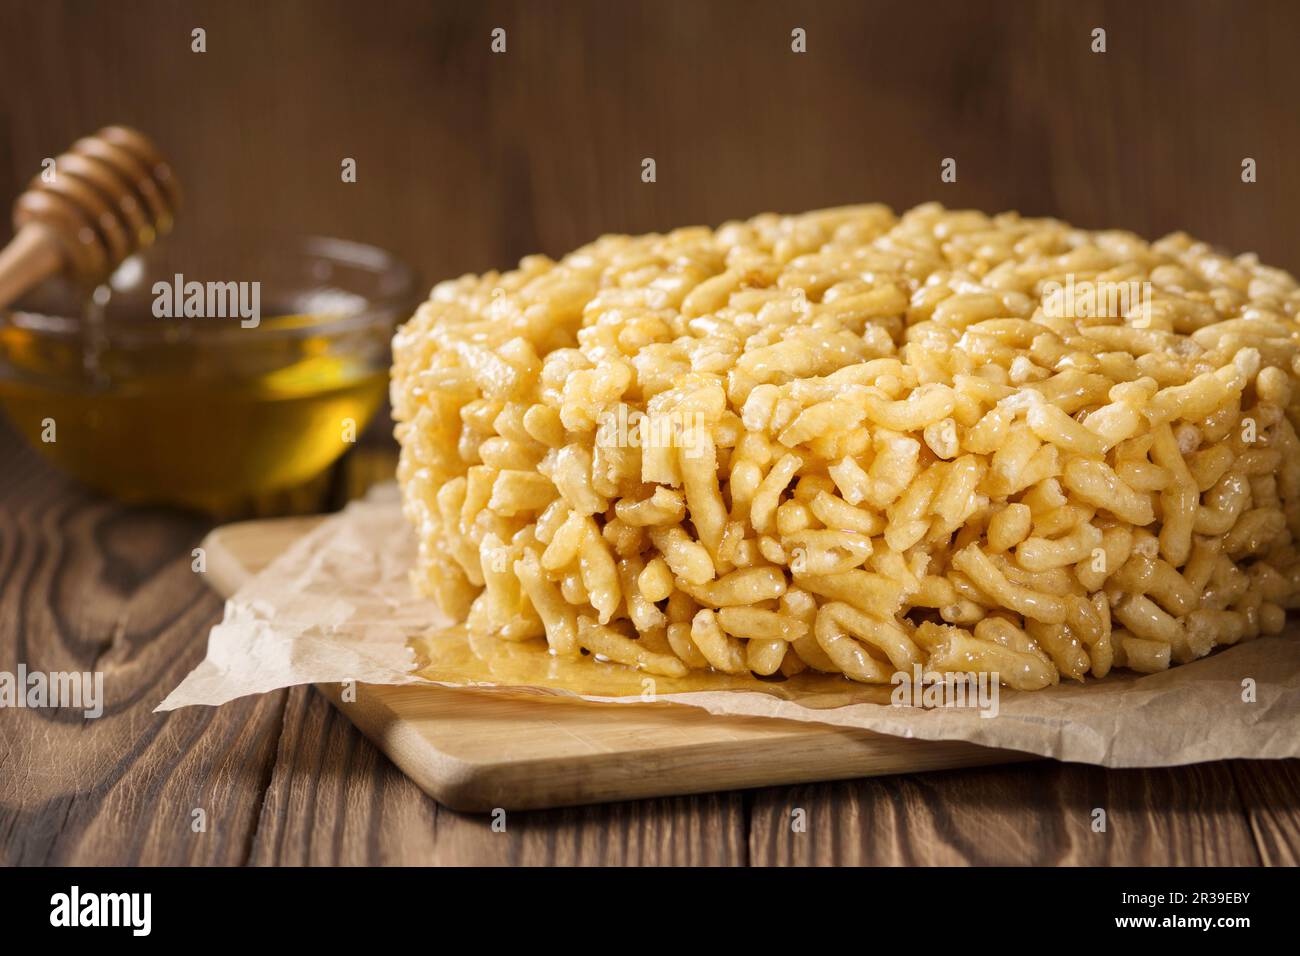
467,160
334,799
1034,814
284,779
86,585
281,779
1268,795
466,163
481,750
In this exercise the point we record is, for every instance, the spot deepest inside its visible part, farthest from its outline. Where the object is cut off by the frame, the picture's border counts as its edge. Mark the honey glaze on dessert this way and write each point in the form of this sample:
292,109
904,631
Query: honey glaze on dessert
452,655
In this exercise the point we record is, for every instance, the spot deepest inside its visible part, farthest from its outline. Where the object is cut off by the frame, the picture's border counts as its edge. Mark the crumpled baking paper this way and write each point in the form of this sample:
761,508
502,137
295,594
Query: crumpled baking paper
338,606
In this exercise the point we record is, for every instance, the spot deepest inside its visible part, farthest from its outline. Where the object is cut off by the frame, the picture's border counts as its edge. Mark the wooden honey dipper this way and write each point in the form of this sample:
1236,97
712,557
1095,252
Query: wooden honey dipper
111,195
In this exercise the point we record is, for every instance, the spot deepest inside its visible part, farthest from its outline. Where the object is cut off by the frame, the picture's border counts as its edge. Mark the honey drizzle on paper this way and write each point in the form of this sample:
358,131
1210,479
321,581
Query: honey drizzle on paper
453,656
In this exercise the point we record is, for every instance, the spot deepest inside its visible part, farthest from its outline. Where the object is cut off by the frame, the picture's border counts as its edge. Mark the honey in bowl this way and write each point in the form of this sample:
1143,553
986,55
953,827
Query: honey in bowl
206,412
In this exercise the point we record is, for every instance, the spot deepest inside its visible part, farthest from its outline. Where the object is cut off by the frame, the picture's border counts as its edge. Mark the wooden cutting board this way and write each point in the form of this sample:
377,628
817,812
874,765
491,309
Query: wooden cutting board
482,750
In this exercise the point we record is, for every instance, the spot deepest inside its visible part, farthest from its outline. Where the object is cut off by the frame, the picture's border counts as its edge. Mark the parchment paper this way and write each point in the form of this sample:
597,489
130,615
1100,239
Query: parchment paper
338,606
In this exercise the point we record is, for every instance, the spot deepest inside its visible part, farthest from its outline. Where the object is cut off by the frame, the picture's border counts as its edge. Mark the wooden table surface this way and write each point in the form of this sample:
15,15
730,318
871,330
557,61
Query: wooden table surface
88,584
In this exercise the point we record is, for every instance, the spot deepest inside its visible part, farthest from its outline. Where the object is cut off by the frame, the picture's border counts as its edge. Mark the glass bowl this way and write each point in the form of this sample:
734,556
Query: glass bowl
204,411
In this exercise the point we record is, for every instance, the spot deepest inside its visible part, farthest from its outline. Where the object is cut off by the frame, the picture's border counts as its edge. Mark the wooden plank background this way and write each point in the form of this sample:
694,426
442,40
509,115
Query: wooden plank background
468,160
